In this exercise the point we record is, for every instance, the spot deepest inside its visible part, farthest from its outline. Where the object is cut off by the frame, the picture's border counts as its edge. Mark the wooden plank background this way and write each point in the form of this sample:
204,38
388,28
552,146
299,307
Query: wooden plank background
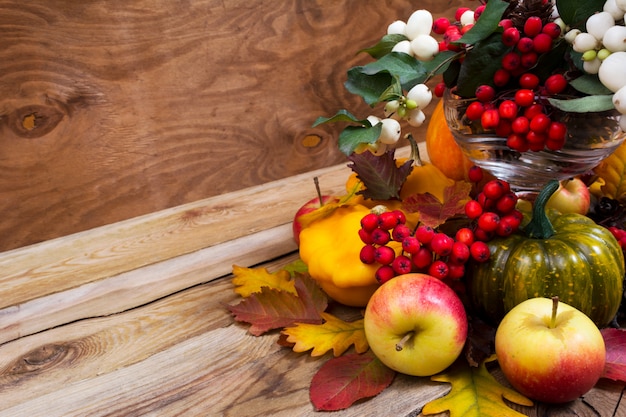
111,110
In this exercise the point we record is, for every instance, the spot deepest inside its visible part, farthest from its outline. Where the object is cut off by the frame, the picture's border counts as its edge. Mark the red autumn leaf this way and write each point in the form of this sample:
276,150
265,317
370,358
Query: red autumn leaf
273,309
434,212
615,341
342,381
380,174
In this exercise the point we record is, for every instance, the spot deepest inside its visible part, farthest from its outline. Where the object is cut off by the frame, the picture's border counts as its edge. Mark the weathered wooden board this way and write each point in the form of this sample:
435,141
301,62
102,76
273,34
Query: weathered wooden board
184,355
111,110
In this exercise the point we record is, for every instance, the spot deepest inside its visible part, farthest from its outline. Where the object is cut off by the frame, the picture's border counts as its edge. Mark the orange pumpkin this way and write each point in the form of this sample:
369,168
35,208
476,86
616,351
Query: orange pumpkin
443,151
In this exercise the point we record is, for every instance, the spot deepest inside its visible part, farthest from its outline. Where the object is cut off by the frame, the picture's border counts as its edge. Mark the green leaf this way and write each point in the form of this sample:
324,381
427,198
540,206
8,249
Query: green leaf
480,64
369,87
341,116
384,46
393,92
487,24
590,84
584,104
353,136
575,12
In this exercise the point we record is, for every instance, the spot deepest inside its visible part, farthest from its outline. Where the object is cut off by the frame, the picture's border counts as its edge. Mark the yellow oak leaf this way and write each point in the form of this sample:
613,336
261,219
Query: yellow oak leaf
475,393
248,281
334,334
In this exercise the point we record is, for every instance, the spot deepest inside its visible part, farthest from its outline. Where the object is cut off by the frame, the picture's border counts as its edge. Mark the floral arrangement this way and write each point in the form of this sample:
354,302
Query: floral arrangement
406,235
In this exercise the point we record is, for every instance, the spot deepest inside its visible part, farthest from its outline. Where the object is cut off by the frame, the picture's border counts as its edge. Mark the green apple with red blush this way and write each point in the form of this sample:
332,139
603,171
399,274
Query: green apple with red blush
550,351
416,324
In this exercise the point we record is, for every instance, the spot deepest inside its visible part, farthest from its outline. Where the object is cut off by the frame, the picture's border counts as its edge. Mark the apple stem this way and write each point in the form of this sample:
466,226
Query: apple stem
406,338
555,306
316,181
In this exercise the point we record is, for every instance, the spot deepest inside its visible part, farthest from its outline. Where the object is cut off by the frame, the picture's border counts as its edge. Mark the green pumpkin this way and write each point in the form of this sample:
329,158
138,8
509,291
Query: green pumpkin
564,255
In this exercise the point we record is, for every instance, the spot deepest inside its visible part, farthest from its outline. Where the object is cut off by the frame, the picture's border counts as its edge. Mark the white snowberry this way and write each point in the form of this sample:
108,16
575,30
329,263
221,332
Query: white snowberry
615,38
421,94
415,117
597,24
425,47
467,18
611,7
619,100
584,41
592,66
390,132
419,23
397,28
612,72
404,47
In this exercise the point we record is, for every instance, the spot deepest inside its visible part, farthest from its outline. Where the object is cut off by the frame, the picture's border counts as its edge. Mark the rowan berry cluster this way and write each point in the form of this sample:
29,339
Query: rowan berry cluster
423,250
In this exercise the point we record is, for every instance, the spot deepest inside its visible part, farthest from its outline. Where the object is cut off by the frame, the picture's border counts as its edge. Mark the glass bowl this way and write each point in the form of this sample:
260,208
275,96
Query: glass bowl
591,137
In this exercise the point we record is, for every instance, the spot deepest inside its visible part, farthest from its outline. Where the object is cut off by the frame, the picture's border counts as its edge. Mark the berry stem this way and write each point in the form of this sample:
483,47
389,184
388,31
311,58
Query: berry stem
555,306
404,340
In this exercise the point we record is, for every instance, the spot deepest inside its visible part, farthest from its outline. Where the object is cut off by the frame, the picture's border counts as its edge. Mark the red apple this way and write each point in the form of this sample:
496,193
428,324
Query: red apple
310,206
416,324
550,351
572,196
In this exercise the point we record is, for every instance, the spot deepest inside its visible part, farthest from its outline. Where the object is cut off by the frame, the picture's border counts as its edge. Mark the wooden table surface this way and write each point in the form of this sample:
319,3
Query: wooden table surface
130,320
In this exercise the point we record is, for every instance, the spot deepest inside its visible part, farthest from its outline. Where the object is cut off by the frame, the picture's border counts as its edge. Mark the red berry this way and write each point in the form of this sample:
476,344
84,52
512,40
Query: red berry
402,265
369,222
440,25
488,221
555,84
552,29
542,43
439,89
473,209
529,80
529,59
424,234
422,258
504,229
475,110
384,255
507,109
494,189
366,237
400,216
483,235
506,203
511,61
384,274
438,269
506,23
479,11
533,110
455,271
521,125
442,244
536,140
524,97
504,128
517,142
511,220
510,36
380,236
411,244
490,119
465,235
557,131
485,93
555,145
501,77
400,232
460,252
540,123
533,26
387,220
480,251
525,45
466,28
475,173
368,254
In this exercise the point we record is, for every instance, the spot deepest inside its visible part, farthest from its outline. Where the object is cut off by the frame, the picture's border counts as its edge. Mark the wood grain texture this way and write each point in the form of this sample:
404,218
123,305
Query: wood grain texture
118,109
184,355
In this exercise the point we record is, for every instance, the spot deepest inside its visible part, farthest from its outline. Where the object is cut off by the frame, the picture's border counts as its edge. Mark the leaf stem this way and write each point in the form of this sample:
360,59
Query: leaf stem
404,340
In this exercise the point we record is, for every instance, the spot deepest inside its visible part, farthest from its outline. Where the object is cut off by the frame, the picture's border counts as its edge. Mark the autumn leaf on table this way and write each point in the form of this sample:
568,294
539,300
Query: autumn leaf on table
434,212
381,176
475,393
342,381
248,281
334,334
615,342
273,309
